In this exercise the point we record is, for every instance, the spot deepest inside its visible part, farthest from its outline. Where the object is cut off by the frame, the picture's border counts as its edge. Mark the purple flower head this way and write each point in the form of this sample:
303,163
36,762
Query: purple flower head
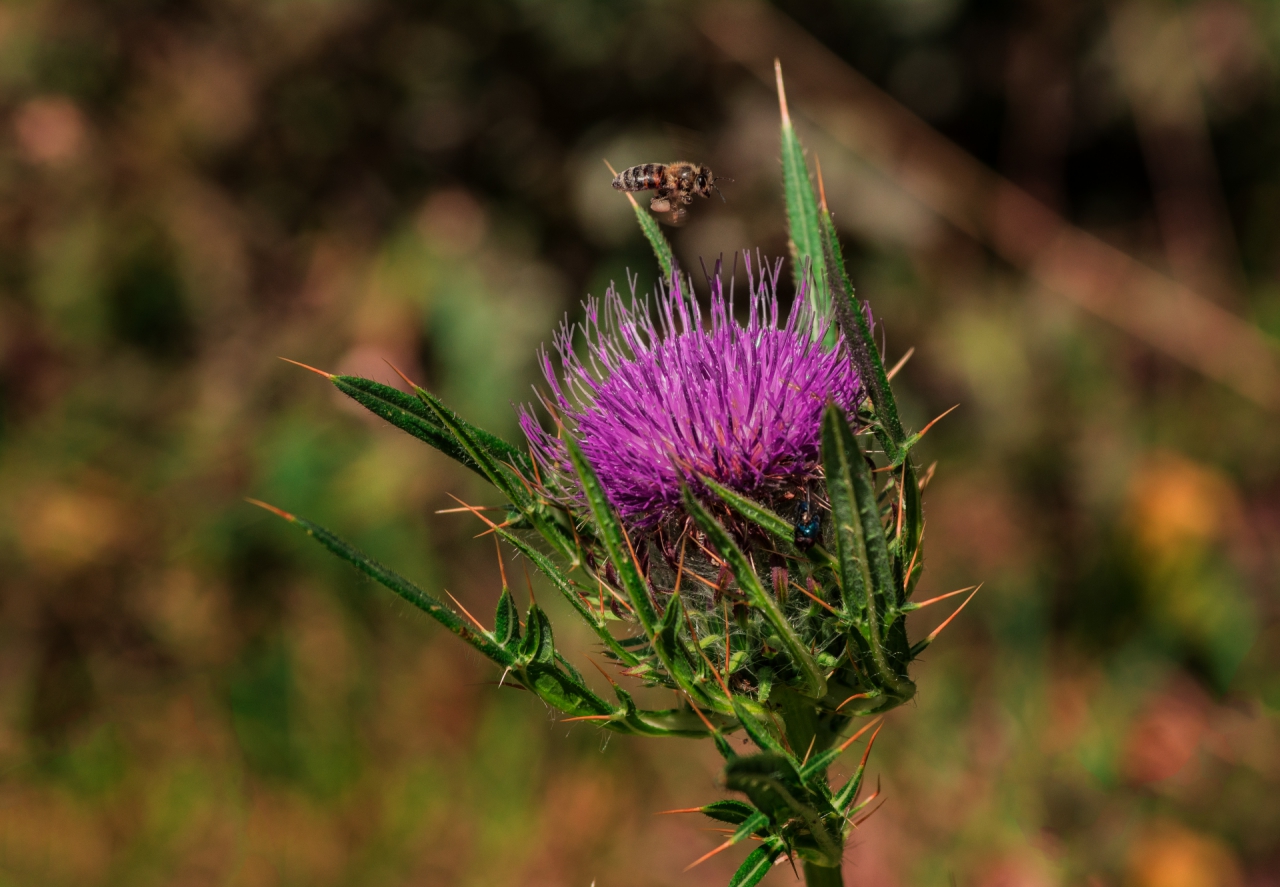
653,405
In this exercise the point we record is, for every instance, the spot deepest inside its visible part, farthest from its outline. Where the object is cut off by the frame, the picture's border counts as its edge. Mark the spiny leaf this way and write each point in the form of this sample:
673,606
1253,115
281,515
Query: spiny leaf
753,869
430,605
549,569
623,560
815,683
772,785
863,551
756,730
538,645
752,511
852,319
653,233
730,811
506,622
406,413
802,213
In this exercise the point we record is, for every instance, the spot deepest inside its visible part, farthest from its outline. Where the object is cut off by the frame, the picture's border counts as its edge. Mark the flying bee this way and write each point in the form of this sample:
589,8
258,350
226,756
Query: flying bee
675,184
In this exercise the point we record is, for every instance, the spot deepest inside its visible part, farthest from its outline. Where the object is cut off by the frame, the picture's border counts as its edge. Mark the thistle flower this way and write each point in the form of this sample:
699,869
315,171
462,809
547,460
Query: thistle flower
655,405
657,511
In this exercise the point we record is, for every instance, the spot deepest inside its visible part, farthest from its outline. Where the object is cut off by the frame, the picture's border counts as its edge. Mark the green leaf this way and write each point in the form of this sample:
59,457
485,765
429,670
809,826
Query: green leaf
815,683
538,645
494,445
549,569
653,233
753,869
562,691
732,812
753,511
857,333
498,475
506,622
771,782
406,413
633,584
757,731
802,214
866,574
432,606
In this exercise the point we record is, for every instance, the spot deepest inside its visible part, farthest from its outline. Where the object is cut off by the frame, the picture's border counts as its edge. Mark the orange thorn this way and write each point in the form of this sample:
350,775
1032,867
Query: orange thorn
866,752
943,597
305,367
471,508
680,567
725,601
871,797
528,581
271,508
902,361
926,428
588,718
782,92
700,860
809,751
851,698
854,738
822,190
602,671
933,634
685,810
395,369
814,597
464,610
700,715
860,820
497,544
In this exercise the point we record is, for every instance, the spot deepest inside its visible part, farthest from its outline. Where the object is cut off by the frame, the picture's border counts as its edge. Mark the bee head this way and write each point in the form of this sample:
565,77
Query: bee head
703,181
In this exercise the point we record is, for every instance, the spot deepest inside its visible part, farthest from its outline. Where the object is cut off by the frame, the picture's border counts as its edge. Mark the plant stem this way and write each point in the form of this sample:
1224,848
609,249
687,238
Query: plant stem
821,876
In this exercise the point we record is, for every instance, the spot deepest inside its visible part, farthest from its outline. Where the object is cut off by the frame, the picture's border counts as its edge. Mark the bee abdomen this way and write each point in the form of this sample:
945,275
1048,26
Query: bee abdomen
645,177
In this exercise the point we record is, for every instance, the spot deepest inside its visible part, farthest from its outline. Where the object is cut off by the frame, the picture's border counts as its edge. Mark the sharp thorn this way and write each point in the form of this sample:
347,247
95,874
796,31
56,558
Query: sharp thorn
942,597
395,369
782,92
925,430
809,751
682,810
854,738
587,718
853,697
822,190
305,367
464,611
902,361
933,634
700,860
271,508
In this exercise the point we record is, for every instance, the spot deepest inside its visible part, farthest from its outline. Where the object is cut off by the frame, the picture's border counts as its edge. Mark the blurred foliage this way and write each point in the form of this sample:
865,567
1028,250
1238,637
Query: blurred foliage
189,694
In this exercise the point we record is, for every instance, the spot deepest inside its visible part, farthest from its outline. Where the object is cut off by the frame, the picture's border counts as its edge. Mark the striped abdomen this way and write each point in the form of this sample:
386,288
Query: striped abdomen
645,177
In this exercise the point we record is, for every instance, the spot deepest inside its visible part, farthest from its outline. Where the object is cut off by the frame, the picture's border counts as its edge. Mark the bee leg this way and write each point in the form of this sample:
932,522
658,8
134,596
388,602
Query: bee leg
660,204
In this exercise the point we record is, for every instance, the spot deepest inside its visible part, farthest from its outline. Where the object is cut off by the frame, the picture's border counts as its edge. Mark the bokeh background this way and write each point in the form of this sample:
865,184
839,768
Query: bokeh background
1070,208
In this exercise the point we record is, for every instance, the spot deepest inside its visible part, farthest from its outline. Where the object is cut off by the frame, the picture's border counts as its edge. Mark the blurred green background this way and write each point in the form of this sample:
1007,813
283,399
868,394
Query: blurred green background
192,693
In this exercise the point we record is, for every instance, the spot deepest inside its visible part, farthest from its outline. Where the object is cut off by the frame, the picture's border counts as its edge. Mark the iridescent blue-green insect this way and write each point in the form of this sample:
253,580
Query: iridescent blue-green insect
808,526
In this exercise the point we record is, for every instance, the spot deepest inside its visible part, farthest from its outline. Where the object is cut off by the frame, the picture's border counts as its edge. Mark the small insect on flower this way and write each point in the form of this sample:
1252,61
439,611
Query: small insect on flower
808,526
675,184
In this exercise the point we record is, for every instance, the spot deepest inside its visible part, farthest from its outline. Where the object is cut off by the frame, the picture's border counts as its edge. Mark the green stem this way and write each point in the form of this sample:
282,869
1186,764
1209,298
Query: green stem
821,876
